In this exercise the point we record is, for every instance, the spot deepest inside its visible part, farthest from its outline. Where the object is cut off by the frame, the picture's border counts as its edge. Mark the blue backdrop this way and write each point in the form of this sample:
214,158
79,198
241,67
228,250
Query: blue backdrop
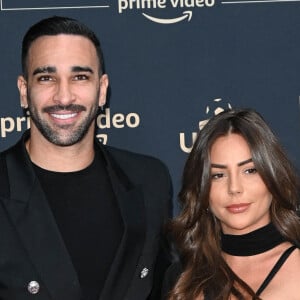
172,64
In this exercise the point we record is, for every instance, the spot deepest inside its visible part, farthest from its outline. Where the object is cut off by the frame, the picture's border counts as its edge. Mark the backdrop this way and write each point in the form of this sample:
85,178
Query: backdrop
172,64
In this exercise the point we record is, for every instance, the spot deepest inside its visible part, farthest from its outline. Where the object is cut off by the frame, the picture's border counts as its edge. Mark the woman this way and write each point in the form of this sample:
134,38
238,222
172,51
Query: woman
239,216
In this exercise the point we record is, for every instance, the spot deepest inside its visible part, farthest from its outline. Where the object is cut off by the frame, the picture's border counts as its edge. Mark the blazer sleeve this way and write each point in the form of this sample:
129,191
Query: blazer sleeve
171,276
165,254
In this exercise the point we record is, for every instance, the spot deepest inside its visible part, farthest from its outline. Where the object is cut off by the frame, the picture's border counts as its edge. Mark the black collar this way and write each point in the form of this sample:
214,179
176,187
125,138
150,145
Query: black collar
252,243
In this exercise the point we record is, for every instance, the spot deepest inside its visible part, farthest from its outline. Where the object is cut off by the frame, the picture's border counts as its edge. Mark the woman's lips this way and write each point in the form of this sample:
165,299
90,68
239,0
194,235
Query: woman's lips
238,208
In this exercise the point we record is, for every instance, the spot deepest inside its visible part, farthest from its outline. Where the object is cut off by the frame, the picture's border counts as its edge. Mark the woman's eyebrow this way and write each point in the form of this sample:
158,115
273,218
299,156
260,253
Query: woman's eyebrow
221,166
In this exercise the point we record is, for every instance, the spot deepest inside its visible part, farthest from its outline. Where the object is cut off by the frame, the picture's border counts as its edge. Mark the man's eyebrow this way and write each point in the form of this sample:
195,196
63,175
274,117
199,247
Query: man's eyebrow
220,166
50,69
43,70
82,69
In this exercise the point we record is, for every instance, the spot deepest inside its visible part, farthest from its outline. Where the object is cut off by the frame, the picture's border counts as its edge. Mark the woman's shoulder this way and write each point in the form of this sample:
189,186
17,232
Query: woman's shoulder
285,284
293,261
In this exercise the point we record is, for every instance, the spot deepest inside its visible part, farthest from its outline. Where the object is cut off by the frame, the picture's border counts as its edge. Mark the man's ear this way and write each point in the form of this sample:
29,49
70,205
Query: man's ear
103,89
22,86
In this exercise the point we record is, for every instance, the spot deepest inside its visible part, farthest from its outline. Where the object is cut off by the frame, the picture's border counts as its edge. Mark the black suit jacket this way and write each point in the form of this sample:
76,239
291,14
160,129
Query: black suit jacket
31,247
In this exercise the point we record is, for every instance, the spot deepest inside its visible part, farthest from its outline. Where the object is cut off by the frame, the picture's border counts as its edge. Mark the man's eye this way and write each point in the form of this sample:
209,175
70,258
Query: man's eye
81,77
251,171
44,78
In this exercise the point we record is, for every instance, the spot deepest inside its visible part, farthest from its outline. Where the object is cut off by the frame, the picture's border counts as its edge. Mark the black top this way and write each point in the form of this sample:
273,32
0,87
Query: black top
88,217
275,269
175,270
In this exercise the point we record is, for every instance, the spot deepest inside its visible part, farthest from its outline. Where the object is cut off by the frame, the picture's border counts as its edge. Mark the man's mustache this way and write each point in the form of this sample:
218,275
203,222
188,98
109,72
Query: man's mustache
59,108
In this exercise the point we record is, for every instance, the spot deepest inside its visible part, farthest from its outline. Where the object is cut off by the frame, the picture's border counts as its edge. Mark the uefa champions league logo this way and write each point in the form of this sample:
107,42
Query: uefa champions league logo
213,109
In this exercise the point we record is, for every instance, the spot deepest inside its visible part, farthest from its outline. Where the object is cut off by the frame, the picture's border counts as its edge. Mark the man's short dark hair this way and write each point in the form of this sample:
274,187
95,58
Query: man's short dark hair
59,25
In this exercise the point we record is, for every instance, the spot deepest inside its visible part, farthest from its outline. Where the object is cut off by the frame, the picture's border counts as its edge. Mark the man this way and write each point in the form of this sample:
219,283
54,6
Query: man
78,220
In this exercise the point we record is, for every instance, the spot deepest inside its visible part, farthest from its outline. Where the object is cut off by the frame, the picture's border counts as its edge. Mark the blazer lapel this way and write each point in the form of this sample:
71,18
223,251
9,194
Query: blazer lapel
35,224
131,204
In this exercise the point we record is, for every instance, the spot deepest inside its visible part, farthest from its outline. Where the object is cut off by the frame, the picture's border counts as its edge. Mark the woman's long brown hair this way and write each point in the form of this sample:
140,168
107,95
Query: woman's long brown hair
197,232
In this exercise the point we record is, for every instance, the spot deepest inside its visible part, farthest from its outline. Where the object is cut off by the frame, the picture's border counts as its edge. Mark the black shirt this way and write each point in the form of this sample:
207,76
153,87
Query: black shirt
88,217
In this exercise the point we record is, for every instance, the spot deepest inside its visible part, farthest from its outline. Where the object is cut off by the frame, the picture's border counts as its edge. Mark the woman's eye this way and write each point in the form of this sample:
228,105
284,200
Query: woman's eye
217,175
251,171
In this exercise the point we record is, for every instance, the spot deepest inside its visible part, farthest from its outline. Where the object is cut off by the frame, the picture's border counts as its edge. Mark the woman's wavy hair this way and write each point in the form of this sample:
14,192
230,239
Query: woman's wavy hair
197,232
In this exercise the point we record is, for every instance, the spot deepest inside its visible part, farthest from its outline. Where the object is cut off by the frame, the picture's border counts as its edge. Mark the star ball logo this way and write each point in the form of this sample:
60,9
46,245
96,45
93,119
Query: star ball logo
142,5
215,107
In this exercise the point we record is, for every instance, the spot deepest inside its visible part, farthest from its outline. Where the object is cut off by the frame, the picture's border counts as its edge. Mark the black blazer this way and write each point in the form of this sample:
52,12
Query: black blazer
31,247
171,276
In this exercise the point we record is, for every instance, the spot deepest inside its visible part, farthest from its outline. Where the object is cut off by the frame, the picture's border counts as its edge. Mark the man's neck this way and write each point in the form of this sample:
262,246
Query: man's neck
61,158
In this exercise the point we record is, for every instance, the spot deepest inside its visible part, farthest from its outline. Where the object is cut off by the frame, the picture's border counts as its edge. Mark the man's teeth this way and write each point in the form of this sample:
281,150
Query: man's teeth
63,116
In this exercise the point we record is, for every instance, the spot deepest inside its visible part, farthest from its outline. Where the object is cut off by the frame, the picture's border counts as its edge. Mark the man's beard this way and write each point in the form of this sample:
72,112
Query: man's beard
63,135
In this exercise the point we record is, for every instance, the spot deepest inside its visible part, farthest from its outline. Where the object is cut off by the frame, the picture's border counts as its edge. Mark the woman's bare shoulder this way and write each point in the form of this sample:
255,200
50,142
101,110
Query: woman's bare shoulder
285,284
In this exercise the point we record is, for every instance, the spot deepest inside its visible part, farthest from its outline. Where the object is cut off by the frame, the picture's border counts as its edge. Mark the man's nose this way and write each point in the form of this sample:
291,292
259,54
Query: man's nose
64,94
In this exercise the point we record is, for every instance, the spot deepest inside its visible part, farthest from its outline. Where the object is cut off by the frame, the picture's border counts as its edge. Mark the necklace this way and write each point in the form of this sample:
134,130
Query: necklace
252,243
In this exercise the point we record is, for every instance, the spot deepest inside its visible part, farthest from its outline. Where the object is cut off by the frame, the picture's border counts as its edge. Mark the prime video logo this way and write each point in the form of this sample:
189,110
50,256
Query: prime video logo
139,5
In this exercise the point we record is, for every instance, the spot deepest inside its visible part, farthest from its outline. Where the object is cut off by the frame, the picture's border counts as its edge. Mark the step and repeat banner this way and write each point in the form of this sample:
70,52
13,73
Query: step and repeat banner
172,64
